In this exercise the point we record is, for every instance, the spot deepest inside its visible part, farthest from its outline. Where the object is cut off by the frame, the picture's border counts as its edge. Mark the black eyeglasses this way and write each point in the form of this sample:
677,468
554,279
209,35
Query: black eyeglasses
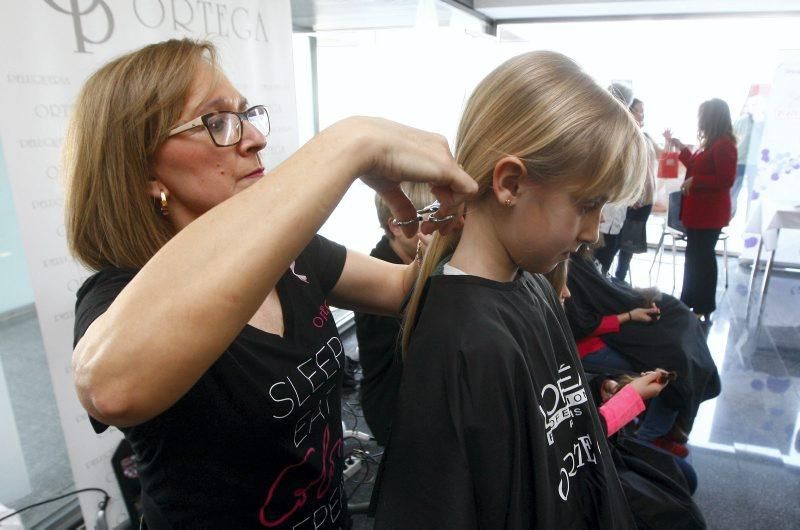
225,127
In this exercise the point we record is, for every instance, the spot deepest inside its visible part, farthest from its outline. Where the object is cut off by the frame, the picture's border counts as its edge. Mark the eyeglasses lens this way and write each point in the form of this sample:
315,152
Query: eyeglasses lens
224,128
259,118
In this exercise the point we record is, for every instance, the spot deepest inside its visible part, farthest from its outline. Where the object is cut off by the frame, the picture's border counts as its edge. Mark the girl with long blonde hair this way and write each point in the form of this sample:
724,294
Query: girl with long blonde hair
493,428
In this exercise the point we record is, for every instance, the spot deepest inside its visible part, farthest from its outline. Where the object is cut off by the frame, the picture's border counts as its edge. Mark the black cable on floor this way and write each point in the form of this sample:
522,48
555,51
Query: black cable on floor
102,504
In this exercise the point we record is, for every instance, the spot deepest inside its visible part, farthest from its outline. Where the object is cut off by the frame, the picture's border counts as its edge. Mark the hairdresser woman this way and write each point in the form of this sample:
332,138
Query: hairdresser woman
706,203
205,335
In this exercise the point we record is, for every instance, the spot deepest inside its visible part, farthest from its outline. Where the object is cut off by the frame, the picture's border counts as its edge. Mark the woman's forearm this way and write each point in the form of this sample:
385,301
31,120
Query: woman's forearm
194,296
191,299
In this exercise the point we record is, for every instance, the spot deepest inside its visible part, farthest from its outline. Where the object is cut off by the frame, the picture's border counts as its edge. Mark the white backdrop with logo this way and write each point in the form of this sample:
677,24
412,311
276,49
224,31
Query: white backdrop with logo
50,47
778,158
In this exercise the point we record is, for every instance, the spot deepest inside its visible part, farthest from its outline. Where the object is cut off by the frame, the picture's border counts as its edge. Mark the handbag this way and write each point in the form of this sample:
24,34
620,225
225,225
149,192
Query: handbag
633,237
668,163
674,212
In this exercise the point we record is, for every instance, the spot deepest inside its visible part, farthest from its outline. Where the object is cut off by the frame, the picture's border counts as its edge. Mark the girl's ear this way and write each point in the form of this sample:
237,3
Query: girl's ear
508,175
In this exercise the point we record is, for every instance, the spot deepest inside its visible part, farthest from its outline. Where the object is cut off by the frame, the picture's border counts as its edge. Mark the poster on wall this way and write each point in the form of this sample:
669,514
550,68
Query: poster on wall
50,48
775,190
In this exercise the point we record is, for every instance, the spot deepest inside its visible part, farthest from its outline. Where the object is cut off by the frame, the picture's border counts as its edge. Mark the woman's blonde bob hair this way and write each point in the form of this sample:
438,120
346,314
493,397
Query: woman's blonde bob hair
541,107
121,117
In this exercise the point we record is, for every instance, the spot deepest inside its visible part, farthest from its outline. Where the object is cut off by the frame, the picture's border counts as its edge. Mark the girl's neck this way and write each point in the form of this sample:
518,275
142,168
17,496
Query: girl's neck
479,252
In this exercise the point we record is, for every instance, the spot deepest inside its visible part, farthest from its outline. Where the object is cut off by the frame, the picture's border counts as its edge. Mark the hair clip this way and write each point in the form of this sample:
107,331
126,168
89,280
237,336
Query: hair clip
427,213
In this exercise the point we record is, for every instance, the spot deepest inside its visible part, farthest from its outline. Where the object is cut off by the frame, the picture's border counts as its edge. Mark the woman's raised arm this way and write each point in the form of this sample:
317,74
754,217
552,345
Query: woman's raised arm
189,302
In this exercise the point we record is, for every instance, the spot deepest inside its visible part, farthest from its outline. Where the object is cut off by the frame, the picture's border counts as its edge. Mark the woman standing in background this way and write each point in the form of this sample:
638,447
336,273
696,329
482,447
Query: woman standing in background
706,204
633,237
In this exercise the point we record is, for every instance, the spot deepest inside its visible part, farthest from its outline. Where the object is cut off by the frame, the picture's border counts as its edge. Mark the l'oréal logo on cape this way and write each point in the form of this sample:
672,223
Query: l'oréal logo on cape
93,20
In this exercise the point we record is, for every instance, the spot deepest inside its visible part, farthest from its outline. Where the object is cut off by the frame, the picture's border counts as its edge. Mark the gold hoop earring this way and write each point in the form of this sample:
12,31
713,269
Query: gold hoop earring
164,206
508,202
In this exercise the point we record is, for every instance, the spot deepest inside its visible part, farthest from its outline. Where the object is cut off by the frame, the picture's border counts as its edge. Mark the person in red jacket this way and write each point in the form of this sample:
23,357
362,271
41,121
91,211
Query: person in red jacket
706,205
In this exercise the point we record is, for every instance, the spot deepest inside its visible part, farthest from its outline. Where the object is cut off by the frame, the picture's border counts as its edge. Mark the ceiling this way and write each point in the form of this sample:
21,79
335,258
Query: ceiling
325,15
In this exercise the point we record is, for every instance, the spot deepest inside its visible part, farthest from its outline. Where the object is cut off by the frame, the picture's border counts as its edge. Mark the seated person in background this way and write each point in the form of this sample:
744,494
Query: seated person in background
620,403
378,342
657,484
674,341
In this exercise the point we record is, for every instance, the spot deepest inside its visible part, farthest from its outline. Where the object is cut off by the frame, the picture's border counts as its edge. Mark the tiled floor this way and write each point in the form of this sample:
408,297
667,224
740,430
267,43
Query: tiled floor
745,444
24,365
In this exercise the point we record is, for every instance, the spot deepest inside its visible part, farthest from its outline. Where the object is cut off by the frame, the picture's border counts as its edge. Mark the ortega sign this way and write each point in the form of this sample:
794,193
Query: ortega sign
93,20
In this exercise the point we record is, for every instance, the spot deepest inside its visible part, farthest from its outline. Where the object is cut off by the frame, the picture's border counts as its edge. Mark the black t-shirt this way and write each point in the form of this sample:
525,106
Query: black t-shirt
257,441
494,427
379,356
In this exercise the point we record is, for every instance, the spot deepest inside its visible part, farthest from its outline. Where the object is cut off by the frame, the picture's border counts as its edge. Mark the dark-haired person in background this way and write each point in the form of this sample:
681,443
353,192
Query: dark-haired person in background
633,236
706,204
378,335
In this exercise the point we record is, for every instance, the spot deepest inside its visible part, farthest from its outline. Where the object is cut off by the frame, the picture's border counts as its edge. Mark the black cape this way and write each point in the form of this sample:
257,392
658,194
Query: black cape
656,488
495,427
675,342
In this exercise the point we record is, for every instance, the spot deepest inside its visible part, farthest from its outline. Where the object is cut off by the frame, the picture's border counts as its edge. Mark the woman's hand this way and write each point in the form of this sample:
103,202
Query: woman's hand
686,186
645,314
647,385
396,153
672,141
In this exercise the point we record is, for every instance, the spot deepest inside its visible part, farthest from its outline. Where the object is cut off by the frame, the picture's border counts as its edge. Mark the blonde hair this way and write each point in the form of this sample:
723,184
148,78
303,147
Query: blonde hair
541,107
419,193
558,277
122,116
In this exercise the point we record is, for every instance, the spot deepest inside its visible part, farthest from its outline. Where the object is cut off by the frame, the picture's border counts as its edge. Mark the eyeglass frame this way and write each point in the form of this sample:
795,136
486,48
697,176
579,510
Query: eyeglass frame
202,121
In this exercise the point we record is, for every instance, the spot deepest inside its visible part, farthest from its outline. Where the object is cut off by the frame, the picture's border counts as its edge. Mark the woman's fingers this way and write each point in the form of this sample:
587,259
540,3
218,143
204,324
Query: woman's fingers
406,154
647,385
650,377
402,208
412,155
448,219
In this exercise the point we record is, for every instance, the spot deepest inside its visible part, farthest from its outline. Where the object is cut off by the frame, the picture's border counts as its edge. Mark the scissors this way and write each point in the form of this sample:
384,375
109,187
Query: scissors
425,214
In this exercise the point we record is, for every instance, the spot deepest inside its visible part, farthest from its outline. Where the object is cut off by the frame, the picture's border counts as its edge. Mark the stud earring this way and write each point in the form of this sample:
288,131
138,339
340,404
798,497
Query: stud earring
164,206
508,202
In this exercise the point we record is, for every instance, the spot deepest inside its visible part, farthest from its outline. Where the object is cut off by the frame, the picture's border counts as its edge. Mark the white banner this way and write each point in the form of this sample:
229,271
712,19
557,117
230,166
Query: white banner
50,48
778,157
